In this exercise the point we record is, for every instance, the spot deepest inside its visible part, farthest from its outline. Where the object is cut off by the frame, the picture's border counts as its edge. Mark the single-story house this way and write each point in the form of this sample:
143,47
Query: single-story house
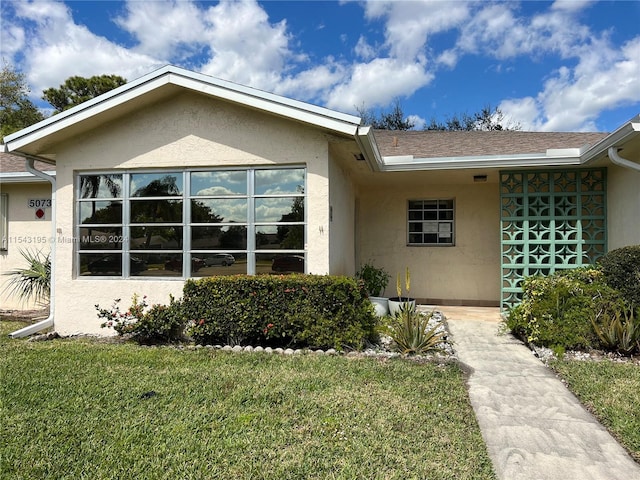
178,175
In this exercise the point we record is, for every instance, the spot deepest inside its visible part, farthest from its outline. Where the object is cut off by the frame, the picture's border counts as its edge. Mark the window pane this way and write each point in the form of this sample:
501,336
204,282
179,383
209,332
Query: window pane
218,184
415,215
219,210
280,237
156,238
97,264
155,264
152,211
280,181
101,238
101,212
156,184
220,264
289,263
219,238
286,209
101,186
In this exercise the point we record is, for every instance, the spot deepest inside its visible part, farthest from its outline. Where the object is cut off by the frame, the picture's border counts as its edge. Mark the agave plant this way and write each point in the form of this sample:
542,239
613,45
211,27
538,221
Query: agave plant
410,332
34,281
617,328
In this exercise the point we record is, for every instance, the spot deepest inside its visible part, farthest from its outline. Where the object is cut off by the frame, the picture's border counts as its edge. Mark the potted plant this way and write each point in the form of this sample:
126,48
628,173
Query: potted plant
375,280
400,302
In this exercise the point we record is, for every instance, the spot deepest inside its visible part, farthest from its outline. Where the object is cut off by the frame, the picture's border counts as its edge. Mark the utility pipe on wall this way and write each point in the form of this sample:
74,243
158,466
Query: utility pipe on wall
47,322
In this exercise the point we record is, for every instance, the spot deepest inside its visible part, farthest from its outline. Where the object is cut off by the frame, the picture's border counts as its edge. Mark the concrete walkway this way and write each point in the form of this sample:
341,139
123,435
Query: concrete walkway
534,428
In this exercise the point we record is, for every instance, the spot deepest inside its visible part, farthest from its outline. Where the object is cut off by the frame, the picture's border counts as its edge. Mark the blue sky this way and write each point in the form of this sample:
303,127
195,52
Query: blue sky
549,66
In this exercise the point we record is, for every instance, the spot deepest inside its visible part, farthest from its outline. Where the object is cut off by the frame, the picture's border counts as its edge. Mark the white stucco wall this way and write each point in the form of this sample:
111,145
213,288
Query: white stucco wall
25,232
623,207
187,131
468,271
342,222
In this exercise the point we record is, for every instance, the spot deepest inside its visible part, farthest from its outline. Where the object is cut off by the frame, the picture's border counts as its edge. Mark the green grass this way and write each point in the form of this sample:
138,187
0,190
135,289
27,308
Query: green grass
75,409
611,391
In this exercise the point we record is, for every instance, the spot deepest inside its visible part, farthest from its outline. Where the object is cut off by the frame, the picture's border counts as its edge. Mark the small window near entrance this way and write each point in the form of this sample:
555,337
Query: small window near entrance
431,222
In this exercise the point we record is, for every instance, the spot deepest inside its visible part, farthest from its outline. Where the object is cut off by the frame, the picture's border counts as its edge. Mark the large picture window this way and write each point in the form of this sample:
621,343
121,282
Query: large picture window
191,223
431,222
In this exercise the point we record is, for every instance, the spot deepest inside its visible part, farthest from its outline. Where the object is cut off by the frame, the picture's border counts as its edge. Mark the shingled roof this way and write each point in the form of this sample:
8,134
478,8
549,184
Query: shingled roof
438,144
14,164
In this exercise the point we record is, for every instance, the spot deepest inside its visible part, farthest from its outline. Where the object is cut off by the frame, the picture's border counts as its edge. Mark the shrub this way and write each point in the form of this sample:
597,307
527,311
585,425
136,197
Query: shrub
297,310
617,328
556,311
375,279
410,332
621,268
146,324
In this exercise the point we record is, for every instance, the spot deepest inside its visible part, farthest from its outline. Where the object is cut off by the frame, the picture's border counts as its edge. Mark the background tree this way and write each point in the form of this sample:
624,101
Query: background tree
76,90
391,120
16,110
487,119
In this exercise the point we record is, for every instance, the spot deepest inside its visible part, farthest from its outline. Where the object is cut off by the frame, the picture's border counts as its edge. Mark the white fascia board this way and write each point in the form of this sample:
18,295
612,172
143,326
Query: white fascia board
369,148
617,138
270,103
409,163
23,177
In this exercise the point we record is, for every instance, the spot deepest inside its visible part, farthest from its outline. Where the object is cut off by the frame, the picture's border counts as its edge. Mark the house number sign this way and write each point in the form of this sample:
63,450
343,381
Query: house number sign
39,204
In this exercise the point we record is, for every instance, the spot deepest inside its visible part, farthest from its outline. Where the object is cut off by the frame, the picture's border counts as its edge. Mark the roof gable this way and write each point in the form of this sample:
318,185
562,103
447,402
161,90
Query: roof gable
164,82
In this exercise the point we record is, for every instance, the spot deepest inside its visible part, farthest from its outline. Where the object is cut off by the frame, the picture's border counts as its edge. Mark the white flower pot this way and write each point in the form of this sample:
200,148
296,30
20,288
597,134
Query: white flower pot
396,303
380,305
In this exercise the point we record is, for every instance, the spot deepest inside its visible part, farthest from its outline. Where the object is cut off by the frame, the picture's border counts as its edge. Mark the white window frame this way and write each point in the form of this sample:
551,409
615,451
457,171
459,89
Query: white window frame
427,217
186,197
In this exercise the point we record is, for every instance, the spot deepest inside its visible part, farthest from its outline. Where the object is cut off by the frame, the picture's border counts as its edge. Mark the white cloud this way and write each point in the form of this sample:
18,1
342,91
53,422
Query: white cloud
572,99
245,47
497,31
364,50
378,83
66,48
164,29
418,122
408,24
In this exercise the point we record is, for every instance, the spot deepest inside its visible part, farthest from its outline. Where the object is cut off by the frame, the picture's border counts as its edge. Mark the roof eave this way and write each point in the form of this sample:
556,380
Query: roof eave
626,132
369,148
23,177
409,163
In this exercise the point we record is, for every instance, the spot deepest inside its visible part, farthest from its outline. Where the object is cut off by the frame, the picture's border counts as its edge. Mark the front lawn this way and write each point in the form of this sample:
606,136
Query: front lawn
611,391
90,409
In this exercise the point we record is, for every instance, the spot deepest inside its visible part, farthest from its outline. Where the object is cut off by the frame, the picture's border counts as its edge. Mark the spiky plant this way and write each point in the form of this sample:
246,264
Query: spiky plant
32,282
410,332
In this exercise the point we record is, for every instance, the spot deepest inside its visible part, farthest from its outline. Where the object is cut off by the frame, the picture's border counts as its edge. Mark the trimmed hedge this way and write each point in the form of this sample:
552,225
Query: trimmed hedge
621,268
295,310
